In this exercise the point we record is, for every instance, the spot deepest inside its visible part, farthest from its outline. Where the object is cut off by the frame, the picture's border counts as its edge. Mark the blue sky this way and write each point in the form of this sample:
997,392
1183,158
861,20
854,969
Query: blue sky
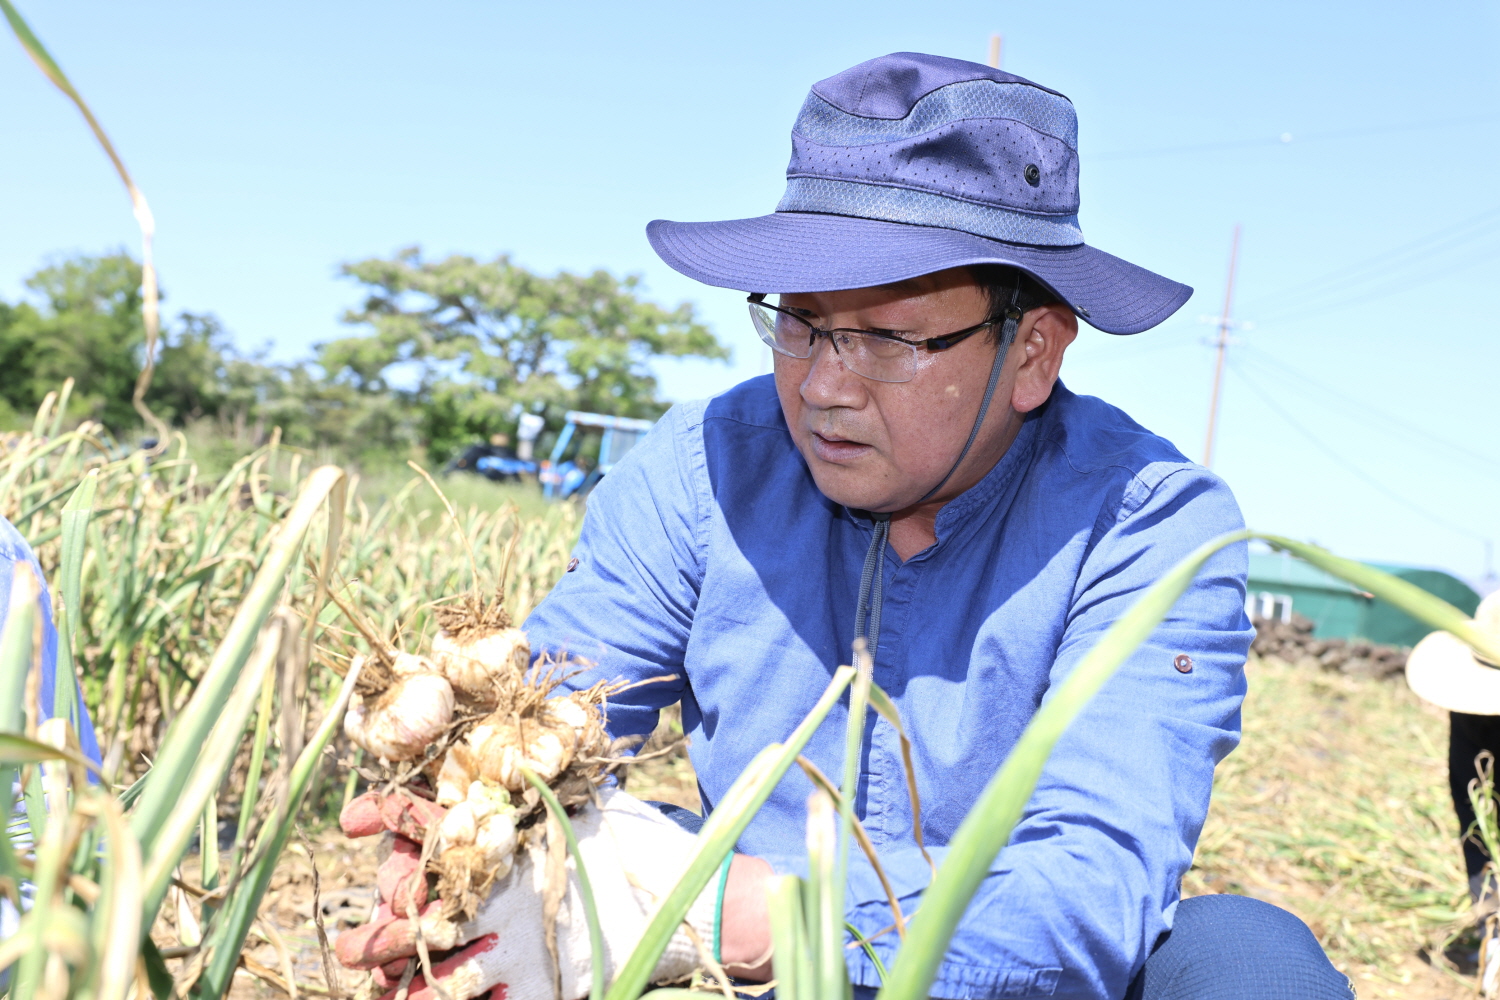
276,140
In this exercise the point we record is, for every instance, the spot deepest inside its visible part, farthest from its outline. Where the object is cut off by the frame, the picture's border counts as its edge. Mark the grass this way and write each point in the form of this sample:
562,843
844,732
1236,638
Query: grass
170,552
1336,807
216,446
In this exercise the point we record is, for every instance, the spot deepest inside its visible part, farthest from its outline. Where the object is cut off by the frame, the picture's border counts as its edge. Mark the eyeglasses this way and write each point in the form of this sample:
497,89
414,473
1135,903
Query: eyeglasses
883,357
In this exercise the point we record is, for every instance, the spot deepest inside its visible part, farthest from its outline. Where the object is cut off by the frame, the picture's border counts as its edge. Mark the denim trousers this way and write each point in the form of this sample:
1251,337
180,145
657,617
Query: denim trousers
1219,948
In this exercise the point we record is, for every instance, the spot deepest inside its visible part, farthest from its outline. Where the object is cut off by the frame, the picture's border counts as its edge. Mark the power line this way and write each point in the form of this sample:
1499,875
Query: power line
1389,263
1348,466
1288,138
1258,356
1115,356
1394,282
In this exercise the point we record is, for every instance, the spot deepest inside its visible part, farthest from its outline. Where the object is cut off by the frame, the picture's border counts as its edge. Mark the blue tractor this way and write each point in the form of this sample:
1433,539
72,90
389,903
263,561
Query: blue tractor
569,473
492,461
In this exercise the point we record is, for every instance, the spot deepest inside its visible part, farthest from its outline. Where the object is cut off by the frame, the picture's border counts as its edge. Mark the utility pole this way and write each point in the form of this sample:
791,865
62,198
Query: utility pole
995,42
1223,343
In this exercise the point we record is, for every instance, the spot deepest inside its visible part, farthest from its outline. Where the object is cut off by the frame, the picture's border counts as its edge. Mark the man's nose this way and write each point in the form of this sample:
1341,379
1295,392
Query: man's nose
828,383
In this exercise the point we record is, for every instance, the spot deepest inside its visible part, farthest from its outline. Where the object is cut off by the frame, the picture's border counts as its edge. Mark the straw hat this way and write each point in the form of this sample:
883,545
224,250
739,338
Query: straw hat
1444,671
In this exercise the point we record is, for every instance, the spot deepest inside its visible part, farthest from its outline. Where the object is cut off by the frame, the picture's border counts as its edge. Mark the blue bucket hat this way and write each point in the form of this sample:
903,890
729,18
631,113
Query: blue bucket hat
910,164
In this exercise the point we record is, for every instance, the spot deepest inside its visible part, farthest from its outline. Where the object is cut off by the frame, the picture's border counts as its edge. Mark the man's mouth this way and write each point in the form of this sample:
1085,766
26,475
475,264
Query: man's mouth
832,448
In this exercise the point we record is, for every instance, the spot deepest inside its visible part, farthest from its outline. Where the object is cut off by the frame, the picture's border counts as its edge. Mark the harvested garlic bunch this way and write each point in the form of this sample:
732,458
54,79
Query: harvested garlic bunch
473,664
404,720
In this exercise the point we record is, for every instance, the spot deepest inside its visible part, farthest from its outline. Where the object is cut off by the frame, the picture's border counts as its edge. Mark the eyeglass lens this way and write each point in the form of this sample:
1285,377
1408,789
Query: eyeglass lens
878,358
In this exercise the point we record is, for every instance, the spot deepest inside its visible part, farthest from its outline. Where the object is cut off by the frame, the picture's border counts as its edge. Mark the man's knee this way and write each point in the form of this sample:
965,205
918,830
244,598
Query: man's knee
1223,920
1234,946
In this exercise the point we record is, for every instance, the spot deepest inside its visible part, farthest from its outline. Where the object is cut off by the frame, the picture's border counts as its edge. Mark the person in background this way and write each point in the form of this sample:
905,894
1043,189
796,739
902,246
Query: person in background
15,552
1445,672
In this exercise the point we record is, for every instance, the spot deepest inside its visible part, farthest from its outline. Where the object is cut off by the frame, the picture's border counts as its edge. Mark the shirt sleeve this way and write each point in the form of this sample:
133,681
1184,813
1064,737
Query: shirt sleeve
626,603
14,551
1091,877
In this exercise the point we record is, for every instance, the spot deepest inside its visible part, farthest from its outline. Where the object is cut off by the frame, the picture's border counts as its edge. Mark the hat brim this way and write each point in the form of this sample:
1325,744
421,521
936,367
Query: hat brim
809,252
1443,671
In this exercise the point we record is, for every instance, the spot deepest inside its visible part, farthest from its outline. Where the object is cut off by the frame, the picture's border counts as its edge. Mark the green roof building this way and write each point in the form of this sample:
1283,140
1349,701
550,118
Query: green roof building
1281,584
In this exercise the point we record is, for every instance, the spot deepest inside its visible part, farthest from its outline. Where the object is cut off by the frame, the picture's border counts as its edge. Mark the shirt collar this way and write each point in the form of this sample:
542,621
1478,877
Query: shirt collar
976,500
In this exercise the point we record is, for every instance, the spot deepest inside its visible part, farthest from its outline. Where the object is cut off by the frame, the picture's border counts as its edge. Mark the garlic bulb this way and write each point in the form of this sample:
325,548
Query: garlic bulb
543,745
485,820
474,695
568,711
407,664
459,827
473,664
486,800
496,839
403,721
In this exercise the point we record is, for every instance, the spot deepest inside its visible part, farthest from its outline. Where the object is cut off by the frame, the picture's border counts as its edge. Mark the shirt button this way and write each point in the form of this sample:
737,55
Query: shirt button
1183,663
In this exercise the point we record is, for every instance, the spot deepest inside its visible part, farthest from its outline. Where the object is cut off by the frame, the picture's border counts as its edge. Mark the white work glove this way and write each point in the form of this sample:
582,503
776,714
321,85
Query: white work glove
634,856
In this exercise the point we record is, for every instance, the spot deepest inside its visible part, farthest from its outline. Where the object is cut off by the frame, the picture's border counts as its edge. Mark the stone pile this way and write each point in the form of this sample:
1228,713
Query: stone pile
1293,642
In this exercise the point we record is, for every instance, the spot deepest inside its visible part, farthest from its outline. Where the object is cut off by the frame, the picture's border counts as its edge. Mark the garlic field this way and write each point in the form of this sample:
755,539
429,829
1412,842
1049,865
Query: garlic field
222,624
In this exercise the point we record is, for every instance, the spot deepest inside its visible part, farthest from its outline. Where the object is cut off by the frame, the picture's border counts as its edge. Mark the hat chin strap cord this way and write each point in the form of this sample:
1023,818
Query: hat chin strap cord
872,578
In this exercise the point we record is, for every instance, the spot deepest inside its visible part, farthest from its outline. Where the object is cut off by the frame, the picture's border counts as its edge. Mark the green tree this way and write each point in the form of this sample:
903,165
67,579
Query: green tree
191,380
313,411
200,374
469,343
87,326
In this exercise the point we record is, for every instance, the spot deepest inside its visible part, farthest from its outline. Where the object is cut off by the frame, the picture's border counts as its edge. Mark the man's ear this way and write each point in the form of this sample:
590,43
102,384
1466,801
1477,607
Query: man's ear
1044,335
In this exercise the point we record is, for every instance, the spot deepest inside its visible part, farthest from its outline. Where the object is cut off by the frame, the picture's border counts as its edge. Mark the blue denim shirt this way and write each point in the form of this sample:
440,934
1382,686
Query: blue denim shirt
709,553
13,551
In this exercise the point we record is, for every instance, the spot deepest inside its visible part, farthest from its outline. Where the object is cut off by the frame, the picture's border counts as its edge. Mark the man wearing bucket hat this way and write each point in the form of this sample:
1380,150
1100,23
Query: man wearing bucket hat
1444,671
914,475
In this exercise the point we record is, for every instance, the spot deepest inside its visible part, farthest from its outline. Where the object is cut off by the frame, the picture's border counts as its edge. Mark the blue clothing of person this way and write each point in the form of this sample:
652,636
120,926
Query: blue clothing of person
14,551
710,554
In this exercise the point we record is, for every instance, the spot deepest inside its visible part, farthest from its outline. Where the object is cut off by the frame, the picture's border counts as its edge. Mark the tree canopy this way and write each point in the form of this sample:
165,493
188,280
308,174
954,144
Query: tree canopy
476,342
451,350
85,323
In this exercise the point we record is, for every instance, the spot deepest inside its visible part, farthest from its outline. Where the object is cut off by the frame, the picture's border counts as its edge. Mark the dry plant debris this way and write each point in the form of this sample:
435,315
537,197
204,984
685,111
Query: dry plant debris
1293,642
1336,807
